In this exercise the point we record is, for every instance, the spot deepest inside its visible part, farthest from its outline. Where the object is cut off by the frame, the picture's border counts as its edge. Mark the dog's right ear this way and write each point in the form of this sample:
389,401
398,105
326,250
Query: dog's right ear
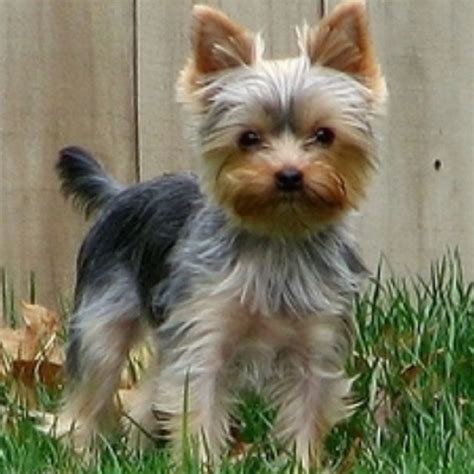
219,43
342,41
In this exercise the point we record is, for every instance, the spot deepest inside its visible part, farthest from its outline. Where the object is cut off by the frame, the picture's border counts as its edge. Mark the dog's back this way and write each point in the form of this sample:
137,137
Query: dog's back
123,256
137,226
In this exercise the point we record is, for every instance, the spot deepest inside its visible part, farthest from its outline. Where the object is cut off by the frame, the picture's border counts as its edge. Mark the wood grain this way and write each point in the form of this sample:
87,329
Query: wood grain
66,77
163,45
83,71
422,202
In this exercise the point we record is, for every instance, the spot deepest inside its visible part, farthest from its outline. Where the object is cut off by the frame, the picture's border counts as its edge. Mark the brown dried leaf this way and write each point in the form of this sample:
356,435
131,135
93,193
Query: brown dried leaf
410,374
239,449
139,358
39,319
351,457
29,372
32,353
26,374
15,343
37,338
40,326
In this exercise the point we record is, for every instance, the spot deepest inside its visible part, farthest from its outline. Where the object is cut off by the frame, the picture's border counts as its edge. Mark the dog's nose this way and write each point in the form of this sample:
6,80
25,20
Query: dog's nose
289,179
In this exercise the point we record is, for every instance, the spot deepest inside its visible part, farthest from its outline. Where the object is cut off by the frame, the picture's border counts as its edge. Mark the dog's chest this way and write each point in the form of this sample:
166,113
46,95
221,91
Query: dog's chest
280,281
257,349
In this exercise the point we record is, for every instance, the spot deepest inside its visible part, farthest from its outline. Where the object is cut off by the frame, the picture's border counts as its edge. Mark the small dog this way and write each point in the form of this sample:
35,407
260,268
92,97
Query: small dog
245,274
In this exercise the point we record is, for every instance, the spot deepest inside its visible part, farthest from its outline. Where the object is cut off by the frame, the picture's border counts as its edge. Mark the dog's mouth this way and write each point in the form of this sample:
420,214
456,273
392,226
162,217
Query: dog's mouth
319,195
318,186
316,198
293,213
290,198
259,199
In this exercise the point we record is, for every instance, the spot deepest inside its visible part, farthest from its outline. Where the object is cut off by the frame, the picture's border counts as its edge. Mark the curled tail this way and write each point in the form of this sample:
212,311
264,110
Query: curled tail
83,179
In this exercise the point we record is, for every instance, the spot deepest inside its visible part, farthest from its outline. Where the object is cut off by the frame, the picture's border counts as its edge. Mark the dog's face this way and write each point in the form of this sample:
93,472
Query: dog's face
287,144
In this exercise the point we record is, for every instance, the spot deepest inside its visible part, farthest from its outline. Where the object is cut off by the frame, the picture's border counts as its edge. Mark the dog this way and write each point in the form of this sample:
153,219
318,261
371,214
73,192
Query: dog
244,274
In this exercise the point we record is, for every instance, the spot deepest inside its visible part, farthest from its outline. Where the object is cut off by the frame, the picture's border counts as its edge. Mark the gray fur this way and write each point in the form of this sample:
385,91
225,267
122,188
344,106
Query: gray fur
85,180
277,89
125,253
274,276
100,309
168,241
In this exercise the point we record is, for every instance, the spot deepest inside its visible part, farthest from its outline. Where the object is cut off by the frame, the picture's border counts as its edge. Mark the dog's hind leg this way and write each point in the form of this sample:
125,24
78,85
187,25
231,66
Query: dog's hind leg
141,422
104,326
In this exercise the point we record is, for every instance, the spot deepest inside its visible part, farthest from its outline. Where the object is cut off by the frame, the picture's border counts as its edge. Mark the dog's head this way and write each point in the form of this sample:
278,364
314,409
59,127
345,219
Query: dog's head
287,145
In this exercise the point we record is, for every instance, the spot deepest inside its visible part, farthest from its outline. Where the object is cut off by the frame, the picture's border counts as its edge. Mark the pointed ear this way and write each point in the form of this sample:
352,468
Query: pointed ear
219,43
342,41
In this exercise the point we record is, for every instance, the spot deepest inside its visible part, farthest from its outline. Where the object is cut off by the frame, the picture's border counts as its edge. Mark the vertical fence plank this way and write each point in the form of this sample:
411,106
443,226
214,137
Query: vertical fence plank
163,46
66,77
423,200
163,42
275,20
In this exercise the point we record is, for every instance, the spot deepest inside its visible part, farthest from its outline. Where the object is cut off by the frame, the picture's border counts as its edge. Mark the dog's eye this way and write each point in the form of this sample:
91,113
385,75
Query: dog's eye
324,136
249,139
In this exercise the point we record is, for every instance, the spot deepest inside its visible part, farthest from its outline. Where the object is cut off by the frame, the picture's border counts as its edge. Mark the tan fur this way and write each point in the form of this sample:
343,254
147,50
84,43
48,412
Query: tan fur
89,408
140,422
249,191
218,43
342,41
334,182
336,178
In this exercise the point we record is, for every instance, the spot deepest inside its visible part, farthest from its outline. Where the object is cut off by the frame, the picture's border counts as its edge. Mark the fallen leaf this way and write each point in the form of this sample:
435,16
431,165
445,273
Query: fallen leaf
30,372
32,353
40,319
239,450
351,457
37,338
410,374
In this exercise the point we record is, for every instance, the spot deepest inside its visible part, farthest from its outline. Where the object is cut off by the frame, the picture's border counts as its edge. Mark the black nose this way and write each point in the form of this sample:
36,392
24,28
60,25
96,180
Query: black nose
289,179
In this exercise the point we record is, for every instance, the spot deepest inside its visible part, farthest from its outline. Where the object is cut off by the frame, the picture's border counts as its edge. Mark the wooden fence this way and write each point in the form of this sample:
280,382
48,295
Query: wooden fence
101,73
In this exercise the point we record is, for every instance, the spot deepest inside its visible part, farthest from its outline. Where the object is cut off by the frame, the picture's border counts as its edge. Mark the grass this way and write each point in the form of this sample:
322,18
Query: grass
415,359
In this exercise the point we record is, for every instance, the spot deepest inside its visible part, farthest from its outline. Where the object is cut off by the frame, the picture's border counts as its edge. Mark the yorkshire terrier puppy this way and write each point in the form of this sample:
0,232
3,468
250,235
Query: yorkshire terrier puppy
245,274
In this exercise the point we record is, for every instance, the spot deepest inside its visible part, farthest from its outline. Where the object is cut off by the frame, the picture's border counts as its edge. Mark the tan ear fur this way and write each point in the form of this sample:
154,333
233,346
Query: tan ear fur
342,41
218,42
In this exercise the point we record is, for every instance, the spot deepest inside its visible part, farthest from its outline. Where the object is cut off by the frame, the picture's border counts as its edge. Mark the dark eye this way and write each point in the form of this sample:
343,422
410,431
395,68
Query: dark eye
249,139
324,136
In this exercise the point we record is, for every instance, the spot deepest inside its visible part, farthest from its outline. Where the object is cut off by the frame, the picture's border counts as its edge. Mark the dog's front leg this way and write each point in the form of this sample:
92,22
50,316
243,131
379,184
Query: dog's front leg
194,394
310,390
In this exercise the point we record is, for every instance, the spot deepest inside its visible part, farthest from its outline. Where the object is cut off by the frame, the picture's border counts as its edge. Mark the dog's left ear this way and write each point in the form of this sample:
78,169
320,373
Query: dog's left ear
218,42
342,41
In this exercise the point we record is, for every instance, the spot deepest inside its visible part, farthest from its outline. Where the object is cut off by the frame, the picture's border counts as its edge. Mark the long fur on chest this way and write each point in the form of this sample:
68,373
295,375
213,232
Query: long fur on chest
268,275
249,298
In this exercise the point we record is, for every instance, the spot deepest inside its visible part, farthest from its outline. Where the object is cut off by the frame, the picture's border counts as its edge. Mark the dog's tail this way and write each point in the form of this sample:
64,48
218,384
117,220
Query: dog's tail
83,179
